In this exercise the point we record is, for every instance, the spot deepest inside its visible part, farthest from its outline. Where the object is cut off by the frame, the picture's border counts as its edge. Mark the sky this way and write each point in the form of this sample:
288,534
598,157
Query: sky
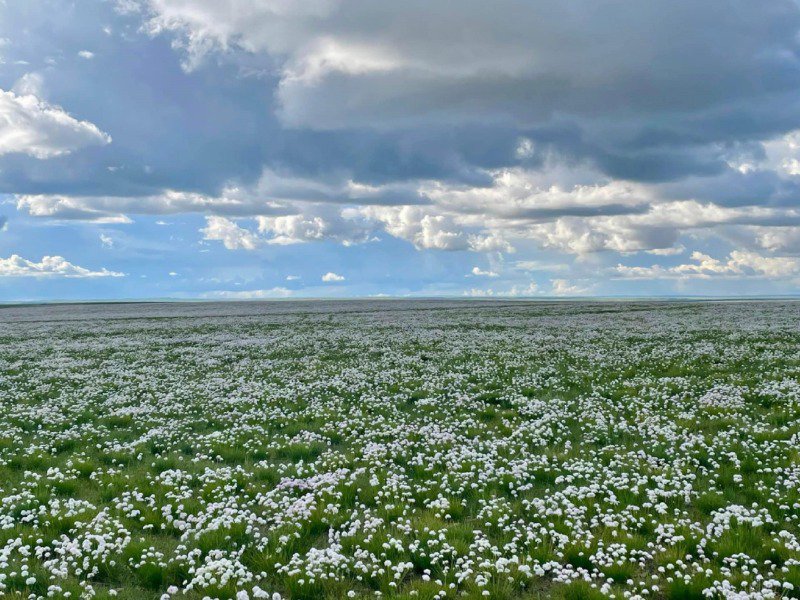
255,149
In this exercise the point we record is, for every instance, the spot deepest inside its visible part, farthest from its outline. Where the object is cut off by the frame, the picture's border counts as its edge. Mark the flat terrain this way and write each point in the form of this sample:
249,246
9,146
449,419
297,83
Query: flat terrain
400,450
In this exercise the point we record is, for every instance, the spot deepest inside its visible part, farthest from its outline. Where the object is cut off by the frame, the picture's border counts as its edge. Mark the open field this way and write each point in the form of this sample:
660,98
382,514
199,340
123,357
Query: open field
400,450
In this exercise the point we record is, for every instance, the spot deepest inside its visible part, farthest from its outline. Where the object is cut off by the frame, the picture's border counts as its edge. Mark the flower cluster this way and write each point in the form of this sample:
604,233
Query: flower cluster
423,450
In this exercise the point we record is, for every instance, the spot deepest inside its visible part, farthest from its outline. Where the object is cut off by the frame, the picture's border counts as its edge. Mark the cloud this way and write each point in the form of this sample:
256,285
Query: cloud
272,194
525,148
738,264
524,290
582,215
480,292
31,126
657,229
347,228
331,277
354,64
538,265
478,272
555,131
30,84
569,208
679,249
230,234
583,236
563,287
50,267
778,239
271,293
106,241
542,194
490,242
516,291
428,230
86,54
230,202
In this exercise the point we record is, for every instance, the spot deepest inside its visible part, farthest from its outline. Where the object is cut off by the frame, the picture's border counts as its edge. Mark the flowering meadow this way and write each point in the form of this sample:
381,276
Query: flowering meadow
395,449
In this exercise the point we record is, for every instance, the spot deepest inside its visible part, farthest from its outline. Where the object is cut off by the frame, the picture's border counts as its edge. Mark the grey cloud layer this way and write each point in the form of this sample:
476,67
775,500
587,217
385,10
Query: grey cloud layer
645,84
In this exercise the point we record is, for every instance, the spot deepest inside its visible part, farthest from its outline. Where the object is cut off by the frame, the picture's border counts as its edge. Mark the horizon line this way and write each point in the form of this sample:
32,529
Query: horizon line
607,298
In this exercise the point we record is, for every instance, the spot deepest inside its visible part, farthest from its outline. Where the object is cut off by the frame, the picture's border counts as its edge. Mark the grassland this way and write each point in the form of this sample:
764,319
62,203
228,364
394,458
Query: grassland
401,450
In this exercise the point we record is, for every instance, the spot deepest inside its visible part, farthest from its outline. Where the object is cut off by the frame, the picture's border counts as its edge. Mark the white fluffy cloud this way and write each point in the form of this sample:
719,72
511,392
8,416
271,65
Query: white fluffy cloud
478,272
31,126
345,227
656,229
331,277
230,234
427,229
781,154
49,267
541,194
738,264
563,287
413,224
